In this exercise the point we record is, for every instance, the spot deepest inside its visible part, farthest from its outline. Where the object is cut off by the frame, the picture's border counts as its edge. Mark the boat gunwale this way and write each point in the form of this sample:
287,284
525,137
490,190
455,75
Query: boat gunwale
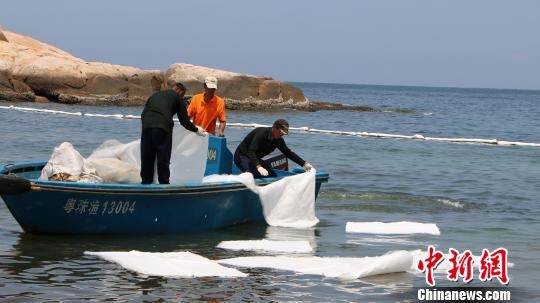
154,189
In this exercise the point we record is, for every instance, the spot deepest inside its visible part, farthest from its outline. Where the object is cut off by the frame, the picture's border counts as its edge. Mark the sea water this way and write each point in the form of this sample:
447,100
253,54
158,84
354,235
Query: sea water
479,196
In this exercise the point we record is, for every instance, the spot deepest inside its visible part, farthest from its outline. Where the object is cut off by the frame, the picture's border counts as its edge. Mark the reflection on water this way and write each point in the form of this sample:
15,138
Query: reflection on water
293,234
55,267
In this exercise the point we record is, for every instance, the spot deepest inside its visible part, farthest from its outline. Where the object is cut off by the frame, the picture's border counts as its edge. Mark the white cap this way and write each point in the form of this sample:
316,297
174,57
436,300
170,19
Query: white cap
211,82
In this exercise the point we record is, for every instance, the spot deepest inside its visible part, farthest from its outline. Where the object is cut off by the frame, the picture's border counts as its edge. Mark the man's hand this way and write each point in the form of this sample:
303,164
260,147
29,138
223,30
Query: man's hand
307,166
201,131
222,128
262,171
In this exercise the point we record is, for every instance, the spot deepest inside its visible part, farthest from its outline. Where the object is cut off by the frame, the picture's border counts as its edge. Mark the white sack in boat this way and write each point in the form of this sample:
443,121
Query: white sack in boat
169,264
66,159
117,162
114,149
396,228
336,267
288,202
116,171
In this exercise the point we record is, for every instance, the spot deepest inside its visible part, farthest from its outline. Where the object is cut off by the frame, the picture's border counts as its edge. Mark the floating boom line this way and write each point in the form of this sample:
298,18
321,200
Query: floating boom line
304,129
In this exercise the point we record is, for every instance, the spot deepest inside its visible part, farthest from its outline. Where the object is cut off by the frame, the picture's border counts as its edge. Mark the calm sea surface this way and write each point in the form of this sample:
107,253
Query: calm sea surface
480,196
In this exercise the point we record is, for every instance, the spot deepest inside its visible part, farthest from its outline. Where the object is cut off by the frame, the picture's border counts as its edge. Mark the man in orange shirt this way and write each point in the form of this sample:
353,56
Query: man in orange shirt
207,107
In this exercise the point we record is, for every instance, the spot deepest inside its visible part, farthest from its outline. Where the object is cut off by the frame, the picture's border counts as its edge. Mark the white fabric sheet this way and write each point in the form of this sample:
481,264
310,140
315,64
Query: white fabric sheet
188,156
337,267
288,202
170,264
268,245
244,178
396,228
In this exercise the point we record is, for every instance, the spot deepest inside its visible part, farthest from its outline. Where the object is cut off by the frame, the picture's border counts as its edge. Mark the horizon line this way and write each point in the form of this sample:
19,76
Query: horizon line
418,86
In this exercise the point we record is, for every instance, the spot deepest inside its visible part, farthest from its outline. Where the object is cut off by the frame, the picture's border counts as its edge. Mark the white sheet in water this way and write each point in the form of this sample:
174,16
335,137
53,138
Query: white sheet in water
170,264
396,228
336,267
268,245
288,202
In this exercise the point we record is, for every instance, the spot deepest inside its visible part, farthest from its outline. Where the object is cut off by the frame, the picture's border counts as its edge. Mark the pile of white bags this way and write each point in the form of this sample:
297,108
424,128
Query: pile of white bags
115,162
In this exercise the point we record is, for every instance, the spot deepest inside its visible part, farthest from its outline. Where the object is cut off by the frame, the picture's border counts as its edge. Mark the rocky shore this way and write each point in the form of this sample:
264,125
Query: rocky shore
33,71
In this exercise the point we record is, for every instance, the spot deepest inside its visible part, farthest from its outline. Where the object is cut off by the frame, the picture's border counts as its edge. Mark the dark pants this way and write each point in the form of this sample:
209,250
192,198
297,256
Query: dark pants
155,142
245,165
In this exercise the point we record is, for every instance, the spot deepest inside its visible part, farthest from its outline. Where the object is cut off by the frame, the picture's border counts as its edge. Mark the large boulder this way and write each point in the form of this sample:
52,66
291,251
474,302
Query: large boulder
30,68
246,92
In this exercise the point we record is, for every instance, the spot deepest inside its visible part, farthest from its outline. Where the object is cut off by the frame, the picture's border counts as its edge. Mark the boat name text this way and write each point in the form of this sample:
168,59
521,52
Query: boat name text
97,207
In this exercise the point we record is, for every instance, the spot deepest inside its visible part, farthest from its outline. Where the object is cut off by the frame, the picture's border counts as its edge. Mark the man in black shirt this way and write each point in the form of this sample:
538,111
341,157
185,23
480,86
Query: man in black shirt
157,126
259,143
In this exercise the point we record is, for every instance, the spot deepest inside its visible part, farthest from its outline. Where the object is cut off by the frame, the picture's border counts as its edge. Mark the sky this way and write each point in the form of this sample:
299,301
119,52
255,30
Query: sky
458,43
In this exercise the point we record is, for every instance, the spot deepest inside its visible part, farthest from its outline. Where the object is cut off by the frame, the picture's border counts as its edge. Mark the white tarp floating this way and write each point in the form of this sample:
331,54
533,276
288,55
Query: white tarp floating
169,264
336,267
396,228
288,202
379,240
268,245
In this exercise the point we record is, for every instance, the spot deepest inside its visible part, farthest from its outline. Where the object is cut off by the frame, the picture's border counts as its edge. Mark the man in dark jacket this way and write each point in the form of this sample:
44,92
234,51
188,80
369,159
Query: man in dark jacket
157,126
259,143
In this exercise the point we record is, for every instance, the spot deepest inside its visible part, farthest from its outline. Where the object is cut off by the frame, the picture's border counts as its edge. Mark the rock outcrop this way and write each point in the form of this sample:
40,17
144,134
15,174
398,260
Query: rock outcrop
32,71
245,92
29,68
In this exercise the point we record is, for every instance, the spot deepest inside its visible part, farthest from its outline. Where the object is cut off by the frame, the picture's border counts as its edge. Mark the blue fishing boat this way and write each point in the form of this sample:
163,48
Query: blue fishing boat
84,208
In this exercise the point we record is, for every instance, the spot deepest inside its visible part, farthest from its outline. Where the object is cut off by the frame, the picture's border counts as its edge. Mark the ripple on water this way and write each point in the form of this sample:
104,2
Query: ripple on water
389,202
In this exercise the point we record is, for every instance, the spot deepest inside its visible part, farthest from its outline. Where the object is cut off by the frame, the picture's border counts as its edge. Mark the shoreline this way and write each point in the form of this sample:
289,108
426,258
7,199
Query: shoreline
234,105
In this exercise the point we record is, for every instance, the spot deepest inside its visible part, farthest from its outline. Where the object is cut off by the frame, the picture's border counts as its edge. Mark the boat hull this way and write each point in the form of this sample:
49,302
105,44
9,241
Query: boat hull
77,208
72,212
